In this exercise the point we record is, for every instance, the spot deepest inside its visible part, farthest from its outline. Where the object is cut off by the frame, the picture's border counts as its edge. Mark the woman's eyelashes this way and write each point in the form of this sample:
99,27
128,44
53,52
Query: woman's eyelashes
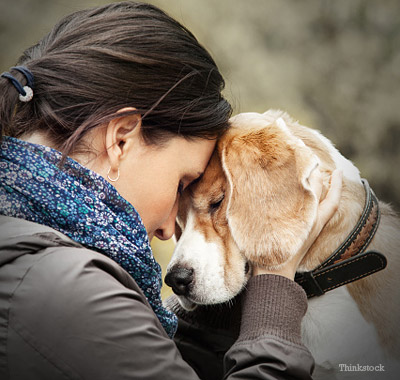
180,187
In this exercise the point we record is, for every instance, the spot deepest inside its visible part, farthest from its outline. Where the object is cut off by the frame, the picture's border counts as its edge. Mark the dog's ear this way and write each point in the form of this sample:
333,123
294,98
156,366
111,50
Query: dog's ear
271,206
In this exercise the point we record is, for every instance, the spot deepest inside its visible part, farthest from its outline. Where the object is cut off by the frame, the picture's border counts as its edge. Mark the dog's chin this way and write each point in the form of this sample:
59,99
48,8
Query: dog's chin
190,304
186,303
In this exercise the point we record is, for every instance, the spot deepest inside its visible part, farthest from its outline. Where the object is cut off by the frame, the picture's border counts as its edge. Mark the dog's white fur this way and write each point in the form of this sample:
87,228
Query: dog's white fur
354,324
194,251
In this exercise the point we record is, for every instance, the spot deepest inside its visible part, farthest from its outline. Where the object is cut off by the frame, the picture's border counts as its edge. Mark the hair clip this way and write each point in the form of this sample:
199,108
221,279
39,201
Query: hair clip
25,92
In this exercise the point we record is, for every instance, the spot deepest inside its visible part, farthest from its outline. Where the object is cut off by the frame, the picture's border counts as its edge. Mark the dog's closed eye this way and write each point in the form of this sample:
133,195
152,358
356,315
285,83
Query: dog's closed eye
215,205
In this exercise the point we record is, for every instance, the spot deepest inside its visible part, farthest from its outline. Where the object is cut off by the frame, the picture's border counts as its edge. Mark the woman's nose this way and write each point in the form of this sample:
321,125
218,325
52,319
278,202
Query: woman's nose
167,229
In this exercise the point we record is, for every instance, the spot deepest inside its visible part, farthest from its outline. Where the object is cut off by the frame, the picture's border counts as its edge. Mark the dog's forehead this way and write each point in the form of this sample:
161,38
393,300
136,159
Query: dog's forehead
208,188
212,181
213,171
249,120
255,125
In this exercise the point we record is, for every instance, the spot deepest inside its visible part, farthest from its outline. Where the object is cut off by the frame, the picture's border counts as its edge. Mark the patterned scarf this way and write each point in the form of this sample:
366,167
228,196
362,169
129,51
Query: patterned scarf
82,205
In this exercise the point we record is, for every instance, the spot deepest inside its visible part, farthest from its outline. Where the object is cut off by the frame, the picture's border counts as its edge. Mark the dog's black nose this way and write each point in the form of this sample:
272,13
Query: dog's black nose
179,279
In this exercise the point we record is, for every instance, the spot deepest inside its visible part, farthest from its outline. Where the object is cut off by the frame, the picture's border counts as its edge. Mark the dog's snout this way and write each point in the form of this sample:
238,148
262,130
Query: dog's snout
179,279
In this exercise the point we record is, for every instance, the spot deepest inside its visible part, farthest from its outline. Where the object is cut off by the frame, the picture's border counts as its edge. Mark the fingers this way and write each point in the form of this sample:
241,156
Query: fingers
315,181
326,209
330,204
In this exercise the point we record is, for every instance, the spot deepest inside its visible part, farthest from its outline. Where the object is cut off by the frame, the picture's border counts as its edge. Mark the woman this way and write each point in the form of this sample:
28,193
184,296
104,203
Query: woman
107,120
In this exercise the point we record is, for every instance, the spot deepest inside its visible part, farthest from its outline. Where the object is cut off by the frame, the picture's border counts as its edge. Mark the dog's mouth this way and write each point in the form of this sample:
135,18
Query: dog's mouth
186,303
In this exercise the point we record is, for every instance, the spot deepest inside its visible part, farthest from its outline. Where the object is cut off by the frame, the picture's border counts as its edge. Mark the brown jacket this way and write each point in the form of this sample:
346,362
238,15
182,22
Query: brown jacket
67,312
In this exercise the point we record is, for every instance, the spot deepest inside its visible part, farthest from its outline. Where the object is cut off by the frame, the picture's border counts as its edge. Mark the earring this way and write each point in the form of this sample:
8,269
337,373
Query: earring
112,179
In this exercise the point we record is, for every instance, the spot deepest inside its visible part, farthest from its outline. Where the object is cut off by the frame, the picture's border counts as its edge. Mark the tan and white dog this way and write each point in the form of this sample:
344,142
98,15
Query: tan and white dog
254,205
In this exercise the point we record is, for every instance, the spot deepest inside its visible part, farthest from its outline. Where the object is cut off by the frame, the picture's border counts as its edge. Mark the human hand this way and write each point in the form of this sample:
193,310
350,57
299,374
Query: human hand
326,209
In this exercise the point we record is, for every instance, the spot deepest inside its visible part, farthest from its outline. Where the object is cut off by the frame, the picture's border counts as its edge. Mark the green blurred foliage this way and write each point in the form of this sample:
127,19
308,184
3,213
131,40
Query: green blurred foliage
333,65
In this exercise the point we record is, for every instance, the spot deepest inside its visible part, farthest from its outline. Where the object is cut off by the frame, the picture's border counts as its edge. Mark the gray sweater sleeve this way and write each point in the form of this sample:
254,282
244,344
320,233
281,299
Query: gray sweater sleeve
269,344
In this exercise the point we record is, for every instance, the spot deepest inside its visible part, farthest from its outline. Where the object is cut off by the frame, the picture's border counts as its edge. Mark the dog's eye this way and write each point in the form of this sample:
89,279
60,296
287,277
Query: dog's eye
214,206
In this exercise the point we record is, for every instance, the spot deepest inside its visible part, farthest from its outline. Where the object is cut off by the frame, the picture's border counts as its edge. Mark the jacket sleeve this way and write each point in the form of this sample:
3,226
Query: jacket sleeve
255,336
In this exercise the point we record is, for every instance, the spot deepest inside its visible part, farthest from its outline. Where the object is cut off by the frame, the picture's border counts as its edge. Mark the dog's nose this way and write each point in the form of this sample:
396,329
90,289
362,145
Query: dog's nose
179,279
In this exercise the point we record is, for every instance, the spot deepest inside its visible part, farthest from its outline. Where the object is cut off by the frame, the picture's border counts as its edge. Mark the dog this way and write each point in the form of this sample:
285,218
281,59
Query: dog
254,205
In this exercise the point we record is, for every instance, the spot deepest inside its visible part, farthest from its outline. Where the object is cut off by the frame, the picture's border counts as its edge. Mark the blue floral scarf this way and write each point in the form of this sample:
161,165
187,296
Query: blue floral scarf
82,205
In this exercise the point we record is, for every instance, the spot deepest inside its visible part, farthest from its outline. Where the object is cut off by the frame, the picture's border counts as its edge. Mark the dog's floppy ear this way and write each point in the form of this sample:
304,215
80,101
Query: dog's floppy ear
271,206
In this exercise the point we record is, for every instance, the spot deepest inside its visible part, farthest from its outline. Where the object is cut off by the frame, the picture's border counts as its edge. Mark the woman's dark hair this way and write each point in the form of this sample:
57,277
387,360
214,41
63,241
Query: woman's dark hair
95,62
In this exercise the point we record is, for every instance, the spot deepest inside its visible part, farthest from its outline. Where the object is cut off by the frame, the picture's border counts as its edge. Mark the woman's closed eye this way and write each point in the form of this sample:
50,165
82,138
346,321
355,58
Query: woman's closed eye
181,187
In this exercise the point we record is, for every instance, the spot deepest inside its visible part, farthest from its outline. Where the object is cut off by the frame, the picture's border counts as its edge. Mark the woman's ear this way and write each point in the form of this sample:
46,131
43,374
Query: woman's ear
271,208
121,135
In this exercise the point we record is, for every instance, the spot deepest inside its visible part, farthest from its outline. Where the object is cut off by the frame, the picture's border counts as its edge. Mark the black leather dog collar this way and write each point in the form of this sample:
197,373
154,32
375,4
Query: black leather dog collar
348,262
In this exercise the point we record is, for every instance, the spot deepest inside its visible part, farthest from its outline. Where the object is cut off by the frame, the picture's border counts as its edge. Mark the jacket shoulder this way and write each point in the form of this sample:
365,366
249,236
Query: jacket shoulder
69,277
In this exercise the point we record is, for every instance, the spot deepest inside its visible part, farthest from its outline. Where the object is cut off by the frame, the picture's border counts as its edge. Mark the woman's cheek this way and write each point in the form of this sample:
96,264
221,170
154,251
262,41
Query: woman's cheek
160,211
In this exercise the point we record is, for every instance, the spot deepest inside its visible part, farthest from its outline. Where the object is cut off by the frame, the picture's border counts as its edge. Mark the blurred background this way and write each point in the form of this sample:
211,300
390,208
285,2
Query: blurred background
333,65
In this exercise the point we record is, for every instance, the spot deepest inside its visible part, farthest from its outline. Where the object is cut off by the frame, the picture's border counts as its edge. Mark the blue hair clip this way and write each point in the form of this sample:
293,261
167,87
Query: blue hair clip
25,92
